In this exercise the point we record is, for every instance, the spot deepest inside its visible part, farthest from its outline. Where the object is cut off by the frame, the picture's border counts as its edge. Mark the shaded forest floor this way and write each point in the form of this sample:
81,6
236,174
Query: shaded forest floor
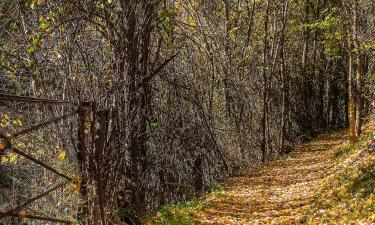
324,181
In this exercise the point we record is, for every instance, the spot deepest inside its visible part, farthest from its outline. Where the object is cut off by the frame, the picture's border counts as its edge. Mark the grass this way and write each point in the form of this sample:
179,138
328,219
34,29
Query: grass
183,213
349,198
344,151
364,182
348,149
177,214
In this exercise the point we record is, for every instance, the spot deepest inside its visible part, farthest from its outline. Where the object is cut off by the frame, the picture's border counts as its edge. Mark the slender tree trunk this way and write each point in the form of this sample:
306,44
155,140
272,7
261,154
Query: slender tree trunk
305,78
145,104
228,66
134,109
351,103
359,69
265,85
284,81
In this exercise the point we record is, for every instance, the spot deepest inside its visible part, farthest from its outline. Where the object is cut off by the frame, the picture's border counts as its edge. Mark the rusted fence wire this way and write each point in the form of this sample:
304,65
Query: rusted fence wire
37,139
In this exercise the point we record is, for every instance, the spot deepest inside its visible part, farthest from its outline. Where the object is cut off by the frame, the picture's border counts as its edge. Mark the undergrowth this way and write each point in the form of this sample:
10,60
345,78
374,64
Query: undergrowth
177,214
348,149
182,213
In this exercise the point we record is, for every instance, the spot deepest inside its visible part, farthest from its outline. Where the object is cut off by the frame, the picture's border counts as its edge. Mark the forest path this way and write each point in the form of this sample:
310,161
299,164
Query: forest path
282,191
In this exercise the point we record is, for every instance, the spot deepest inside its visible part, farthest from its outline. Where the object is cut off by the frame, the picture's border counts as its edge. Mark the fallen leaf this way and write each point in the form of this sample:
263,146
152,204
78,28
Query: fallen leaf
22,214
62,155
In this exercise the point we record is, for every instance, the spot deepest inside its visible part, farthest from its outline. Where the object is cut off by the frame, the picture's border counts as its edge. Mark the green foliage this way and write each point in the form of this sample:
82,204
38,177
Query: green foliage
331,26
120,211
364,182
177,214
369,46
153,123
165,23
36,39
217,191
347,149
182,213
344,151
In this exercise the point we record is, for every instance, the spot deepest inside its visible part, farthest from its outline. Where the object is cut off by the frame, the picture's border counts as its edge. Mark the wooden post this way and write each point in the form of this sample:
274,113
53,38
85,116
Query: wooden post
101,134
83,210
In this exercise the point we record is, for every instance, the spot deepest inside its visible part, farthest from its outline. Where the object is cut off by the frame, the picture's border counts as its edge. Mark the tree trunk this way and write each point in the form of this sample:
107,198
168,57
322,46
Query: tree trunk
351,103
359,69
304,74
284,82
265,85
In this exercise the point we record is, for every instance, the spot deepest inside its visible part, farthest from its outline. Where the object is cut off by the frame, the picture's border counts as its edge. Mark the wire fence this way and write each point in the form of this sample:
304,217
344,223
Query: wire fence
38,161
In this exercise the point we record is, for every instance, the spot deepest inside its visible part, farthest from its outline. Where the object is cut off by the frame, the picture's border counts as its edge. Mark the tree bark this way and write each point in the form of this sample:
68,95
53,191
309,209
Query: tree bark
265,85
351,103
359,69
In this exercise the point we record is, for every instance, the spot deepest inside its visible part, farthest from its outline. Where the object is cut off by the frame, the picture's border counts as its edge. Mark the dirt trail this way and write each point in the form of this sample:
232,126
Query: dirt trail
280,192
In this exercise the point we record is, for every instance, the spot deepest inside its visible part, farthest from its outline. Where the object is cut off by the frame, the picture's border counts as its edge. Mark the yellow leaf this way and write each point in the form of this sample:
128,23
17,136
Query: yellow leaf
6,117
41,18
22,214
177,5
62,155
13,158
76,185
4,159
39,152
369,201
20,145
33,5
49,31
192,22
